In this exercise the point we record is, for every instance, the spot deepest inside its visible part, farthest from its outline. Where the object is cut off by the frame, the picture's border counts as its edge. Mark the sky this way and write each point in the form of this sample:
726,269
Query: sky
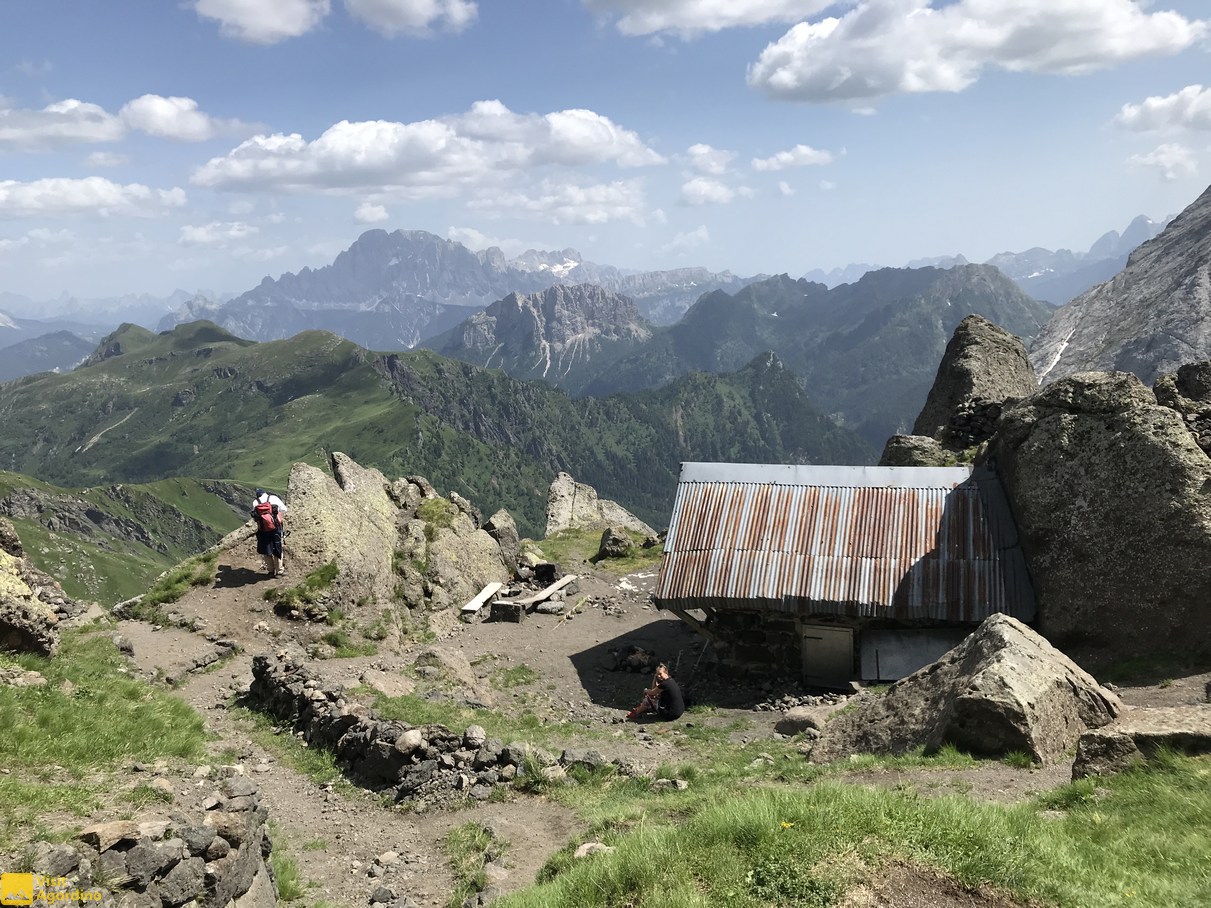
148,145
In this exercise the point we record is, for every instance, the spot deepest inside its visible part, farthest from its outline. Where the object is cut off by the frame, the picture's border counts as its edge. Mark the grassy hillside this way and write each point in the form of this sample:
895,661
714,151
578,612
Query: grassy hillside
108,543
199,402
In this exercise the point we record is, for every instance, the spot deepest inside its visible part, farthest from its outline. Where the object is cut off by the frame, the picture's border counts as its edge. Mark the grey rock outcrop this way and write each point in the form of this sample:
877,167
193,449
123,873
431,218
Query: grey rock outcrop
1149,319
615,543
1110,494
575,505
1004,689
1139,736
914,451
550,335
31,603
982,362
1189,393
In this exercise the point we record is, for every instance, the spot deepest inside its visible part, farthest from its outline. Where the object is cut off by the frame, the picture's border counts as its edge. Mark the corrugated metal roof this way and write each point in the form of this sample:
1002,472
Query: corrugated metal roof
892,542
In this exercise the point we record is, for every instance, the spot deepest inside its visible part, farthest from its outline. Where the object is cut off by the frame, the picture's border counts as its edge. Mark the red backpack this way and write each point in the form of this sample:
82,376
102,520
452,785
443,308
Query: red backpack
266,516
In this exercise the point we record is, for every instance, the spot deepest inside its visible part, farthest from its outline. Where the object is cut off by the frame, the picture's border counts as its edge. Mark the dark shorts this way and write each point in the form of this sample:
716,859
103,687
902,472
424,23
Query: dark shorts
269,543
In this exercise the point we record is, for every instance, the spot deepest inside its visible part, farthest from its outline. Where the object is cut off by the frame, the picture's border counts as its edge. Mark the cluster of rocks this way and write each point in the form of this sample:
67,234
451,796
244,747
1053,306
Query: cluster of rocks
1188,391
429,766
972,423
219,859
787,702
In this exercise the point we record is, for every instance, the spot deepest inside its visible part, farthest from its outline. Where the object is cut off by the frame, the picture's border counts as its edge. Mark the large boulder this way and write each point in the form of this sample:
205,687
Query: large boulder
1140,735
1002,690
575,505
348,520
983,366
1112,498
1188,391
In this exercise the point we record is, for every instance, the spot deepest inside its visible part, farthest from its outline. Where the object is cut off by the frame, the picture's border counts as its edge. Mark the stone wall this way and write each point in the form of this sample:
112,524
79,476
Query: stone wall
760,639
218,859
427,765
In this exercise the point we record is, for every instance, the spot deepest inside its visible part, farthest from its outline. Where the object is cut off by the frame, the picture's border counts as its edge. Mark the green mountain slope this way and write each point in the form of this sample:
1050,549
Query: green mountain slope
868,351
199,402
108,543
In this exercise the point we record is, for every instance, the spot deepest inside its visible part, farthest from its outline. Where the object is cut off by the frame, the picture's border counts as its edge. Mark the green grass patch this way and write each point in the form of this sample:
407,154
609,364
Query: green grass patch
345,647
570,547
469,847
291,885
198,571
515,676
307,591
61,739
317,764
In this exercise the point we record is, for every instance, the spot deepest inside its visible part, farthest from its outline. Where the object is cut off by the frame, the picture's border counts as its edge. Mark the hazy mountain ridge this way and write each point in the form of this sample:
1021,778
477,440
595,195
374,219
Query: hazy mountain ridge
1054,276
55,352
392,290
1150,318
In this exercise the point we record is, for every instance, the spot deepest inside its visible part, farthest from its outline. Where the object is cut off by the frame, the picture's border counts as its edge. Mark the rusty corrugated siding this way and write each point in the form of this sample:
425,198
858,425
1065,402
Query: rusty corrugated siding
893,542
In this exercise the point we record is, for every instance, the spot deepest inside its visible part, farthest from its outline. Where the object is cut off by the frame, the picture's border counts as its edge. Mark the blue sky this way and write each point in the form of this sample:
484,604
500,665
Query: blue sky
152,144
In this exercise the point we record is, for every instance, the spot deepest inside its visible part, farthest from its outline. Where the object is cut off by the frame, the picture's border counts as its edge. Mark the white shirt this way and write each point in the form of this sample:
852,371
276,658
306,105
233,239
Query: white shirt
272,499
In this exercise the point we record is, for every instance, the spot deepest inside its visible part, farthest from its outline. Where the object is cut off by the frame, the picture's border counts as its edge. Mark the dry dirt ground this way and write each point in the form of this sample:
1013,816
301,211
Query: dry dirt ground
336,835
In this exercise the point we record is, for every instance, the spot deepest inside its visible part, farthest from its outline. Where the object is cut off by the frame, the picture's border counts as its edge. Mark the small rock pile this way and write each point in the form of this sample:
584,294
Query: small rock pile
163,863
972,423
792,701
429,766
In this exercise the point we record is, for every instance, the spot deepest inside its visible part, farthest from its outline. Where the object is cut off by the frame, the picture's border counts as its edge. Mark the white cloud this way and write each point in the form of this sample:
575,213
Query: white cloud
425,158
62,123
799,156
708,160
478,240
827,185
691,17
173,118
684,242
1171,160
105,159
33,68
785,188
705,191
241,207
600,203
395,17
264,21
39,236
370,214
1189,108
91,195
884,47
216,233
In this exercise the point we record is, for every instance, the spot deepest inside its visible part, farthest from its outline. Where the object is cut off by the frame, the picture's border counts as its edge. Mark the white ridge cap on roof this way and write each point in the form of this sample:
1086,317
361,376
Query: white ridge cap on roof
821,475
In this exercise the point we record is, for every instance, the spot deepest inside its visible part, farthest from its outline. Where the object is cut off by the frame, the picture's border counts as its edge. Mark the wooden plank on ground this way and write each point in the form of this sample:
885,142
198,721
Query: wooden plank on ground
485,594
545,594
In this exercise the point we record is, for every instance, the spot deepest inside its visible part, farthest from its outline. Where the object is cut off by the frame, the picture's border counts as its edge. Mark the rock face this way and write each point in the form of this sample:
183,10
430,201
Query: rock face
982,362
551,335
914,451
1112,498
575,505
1149,319
1139,735
394,543
1004,689
1189,393
31,603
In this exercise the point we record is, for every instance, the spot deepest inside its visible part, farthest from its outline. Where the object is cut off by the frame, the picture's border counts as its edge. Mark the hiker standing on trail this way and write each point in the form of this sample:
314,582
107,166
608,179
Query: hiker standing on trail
268,512
663,697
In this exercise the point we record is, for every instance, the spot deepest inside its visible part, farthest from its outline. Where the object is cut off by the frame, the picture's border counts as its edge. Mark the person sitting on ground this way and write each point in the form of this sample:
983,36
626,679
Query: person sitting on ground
267,512
663,698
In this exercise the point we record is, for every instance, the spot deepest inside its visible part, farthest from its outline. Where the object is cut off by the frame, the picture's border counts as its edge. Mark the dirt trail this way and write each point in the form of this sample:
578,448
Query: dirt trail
335,836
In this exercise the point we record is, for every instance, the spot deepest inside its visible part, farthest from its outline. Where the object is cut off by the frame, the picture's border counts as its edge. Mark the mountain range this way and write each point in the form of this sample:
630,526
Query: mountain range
198,401
1150,318
866,352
